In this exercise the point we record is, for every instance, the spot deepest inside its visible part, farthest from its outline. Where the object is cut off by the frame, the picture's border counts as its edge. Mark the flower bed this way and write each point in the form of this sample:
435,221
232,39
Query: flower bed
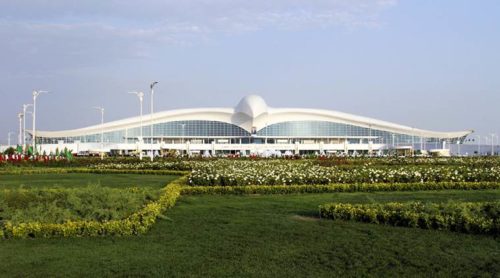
239,173
478,217
484,161
159,165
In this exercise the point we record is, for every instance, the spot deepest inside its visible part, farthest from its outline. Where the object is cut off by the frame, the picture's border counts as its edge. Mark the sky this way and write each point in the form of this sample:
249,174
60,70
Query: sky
426,64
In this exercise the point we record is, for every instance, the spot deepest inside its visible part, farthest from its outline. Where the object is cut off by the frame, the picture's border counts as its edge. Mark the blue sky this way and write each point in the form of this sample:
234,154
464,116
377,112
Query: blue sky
427,64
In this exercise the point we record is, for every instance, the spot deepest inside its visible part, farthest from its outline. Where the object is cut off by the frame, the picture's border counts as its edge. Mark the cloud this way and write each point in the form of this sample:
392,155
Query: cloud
80,33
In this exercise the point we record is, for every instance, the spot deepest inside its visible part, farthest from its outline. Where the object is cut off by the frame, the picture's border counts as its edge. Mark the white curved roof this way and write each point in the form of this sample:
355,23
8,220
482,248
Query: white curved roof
252,111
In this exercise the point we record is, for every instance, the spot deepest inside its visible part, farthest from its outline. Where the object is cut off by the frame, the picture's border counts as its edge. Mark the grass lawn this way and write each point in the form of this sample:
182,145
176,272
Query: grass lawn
78,180
79,196
272,235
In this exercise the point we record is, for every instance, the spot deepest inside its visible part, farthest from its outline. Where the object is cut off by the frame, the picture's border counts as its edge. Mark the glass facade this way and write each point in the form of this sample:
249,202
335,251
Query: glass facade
308,129
202,130
169,129
197,129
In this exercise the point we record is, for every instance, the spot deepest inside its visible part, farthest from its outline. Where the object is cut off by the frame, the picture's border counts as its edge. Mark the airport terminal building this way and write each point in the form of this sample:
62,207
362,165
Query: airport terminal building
251,127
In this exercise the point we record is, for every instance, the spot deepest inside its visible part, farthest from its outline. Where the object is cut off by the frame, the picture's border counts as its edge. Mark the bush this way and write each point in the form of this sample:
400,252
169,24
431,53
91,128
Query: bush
466,217
9,151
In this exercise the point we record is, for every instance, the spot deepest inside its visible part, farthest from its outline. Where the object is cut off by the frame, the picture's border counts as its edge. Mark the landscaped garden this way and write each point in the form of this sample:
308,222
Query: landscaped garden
314,217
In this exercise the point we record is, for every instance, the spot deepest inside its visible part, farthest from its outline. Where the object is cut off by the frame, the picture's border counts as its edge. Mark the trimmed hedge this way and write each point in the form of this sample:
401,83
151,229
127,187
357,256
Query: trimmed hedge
137,223
28,171
332,188
466,217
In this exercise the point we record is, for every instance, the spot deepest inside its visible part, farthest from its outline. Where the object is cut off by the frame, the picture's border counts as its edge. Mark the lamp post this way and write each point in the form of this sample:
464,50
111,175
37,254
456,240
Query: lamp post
24,128
8,137
492,142
140,95
20,136
496,145
413,142
102,130
35,96
25,107
182,138
152,100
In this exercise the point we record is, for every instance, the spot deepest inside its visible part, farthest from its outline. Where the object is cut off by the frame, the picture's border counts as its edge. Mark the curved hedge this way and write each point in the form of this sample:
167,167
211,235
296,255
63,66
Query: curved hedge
137,223
467,217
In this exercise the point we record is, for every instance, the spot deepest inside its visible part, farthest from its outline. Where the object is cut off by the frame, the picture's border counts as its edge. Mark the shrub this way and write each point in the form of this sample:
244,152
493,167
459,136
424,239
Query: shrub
467,217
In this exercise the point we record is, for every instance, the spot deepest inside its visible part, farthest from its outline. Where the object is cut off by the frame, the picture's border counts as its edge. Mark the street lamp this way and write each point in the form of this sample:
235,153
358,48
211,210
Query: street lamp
8,135
140,95
25,107
492,142
20,136
152,99
102,129
24,124
35,96
182,140
498,140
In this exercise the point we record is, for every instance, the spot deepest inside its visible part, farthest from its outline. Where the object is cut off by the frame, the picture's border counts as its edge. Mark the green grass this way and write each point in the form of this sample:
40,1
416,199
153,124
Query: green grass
271,235
76,203
78,196
79,180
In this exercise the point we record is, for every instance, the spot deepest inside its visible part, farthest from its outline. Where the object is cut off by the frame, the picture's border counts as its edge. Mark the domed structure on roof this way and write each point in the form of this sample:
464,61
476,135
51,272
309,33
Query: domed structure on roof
251,105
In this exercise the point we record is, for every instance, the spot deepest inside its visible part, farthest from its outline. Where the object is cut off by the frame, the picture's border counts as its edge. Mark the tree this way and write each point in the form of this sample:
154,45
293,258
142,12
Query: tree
10,151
